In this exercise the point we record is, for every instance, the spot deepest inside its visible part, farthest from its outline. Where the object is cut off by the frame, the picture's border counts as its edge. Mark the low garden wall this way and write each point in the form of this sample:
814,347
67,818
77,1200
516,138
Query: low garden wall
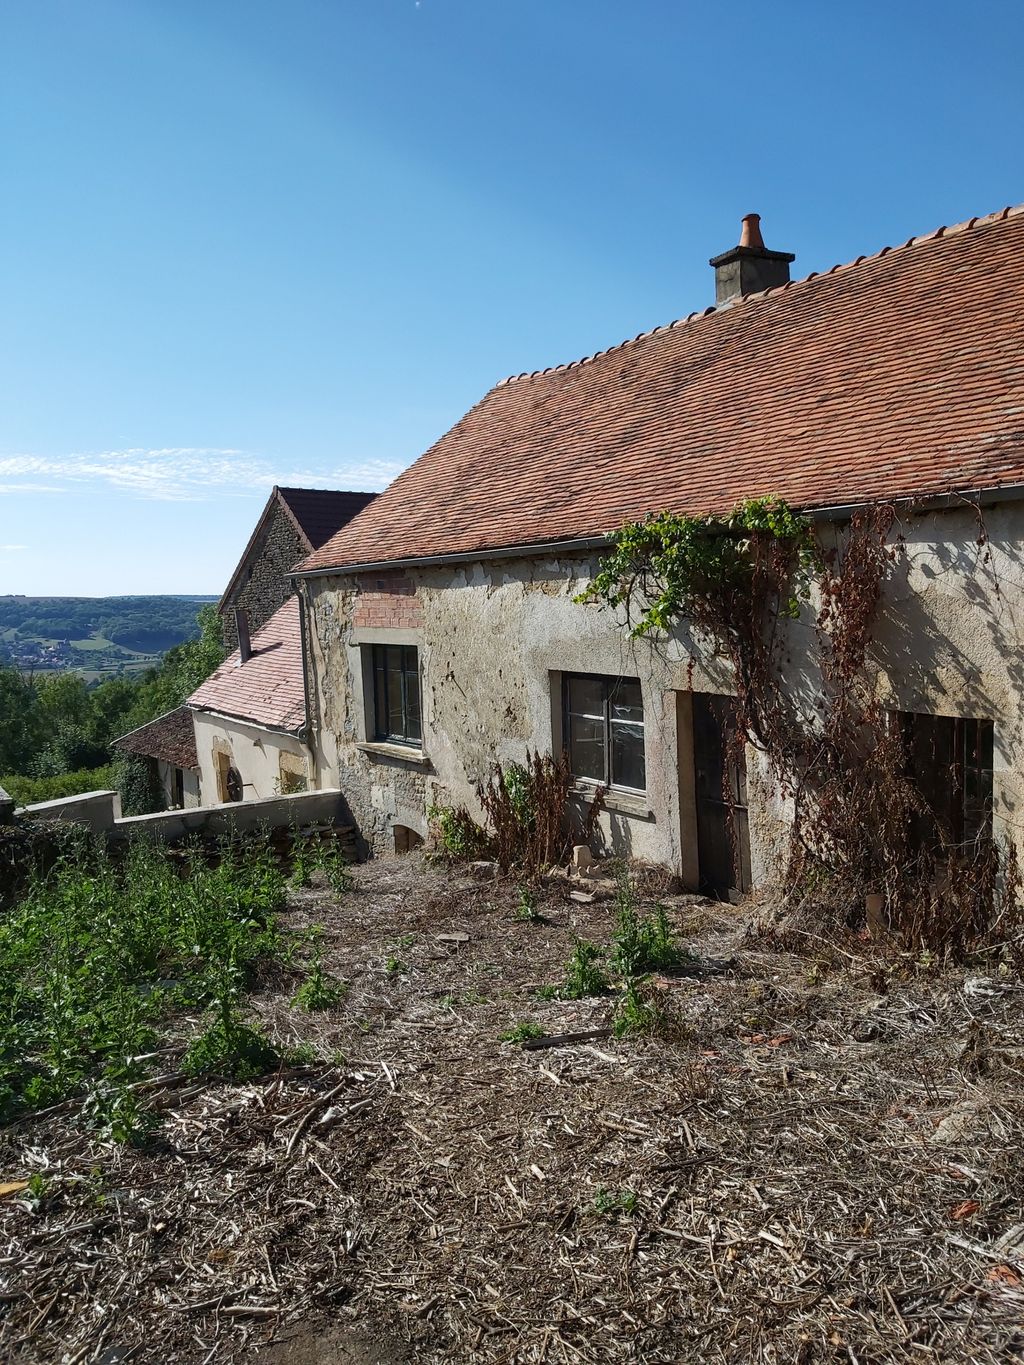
239,817
101,811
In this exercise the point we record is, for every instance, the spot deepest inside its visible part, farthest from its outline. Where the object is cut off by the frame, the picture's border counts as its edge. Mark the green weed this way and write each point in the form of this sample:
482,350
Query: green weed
526,910
95,955
637,1014
302,1054
119,1115
455,835
583,976
38,1191
331,861
642,943
320,990
232,1049
610,1203
523,1030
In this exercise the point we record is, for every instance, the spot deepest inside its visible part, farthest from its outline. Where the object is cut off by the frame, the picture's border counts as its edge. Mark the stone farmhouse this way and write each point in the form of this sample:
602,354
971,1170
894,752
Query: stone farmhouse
250,716
442,628
242,734
294,523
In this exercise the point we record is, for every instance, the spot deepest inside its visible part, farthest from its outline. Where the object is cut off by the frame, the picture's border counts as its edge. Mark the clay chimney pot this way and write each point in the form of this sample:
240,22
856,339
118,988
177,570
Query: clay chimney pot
751,232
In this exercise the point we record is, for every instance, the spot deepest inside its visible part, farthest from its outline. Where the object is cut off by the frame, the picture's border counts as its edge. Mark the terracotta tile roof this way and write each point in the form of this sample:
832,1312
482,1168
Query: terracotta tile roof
319,512
267,688
900,374
171,737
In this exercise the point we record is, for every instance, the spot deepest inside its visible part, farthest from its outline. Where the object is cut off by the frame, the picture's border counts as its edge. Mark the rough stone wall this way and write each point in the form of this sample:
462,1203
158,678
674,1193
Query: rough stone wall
262,585
382,789
495,637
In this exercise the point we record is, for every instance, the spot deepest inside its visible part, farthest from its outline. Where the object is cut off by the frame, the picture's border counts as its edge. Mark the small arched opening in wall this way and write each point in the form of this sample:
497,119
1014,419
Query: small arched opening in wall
406,838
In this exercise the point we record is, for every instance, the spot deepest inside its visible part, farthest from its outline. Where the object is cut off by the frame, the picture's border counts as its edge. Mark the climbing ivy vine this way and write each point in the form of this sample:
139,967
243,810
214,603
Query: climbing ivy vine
731,578
729,582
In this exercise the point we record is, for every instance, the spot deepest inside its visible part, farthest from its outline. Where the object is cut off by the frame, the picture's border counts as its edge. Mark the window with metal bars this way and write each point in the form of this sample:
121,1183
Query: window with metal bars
396,694
603,721
950,760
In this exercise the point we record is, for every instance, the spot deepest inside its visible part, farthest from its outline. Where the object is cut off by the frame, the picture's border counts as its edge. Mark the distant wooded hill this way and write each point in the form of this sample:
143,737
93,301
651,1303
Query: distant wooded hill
146,625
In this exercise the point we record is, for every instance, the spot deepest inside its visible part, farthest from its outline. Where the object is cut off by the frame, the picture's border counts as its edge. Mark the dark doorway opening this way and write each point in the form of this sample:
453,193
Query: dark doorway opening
720,774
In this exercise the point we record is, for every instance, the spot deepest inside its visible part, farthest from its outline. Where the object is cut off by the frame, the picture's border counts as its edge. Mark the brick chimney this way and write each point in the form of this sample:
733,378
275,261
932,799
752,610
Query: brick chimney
242,631
750,266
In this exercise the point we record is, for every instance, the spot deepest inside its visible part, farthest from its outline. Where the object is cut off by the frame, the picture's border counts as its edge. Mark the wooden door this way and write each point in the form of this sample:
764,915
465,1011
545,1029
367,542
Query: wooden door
723,837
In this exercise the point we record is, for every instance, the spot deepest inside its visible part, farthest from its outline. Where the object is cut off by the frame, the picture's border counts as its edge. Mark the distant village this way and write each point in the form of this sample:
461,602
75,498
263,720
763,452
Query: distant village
49,656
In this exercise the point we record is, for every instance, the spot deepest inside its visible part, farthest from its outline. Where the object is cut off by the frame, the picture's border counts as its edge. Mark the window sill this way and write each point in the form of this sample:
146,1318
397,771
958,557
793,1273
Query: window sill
618,802
404,754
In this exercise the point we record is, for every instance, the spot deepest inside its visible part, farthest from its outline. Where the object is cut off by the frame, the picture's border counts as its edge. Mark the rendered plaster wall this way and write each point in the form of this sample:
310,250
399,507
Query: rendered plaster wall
262,585
98,810
190,783
494,638
255,753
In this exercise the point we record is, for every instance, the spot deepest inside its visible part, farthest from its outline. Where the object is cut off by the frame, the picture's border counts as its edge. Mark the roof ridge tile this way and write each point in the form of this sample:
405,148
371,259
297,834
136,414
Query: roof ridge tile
1011,210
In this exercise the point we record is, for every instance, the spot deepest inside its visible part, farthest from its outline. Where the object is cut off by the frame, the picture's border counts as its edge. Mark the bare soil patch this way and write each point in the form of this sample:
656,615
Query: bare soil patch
821,1162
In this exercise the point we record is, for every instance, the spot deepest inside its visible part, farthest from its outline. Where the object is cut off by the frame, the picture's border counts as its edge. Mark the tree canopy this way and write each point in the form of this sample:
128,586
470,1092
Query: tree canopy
60,724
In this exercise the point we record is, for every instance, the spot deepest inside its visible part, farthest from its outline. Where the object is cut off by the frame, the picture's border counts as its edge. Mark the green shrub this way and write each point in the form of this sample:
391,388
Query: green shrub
455,837
30,791
136,779
525,806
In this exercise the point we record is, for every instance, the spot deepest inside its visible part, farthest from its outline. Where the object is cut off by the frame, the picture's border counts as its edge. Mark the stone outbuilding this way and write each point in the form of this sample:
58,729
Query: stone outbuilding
295,522
249,716
168,746
443,630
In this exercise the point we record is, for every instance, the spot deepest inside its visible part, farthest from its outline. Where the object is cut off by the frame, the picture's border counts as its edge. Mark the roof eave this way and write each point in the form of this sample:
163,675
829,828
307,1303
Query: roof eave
985,496
296,733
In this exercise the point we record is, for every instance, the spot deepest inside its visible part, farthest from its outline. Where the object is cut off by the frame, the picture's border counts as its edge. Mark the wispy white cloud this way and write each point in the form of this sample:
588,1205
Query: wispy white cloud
180,473
32,488
9,548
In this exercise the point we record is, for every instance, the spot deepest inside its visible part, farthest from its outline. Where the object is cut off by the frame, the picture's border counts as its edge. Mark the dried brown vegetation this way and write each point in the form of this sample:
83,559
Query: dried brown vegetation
819,1162
861,827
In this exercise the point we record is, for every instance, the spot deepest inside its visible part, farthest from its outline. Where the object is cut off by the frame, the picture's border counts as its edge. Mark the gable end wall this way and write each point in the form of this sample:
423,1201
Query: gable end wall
262,585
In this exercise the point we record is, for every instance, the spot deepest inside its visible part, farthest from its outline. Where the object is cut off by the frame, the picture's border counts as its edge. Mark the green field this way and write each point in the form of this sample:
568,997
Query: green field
95,636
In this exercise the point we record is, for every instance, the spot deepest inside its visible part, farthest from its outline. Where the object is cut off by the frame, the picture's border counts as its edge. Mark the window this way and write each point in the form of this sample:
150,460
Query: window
604,730
950,760
396,694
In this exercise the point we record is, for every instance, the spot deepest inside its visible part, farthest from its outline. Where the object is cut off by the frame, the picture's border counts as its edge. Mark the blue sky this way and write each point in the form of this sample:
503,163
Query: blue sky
258,241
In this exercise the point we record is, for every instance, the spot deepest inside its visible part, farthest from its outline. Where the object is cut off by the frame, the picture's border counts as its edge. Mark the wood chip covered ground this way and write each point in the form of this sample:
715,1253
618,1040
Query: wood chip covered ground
822,1162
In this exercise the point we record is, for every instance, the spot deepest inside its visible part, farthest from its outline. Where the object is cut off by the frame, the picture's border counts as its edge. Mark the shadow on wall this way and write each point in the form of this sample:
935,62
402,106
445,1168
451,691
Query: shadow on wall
949,636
